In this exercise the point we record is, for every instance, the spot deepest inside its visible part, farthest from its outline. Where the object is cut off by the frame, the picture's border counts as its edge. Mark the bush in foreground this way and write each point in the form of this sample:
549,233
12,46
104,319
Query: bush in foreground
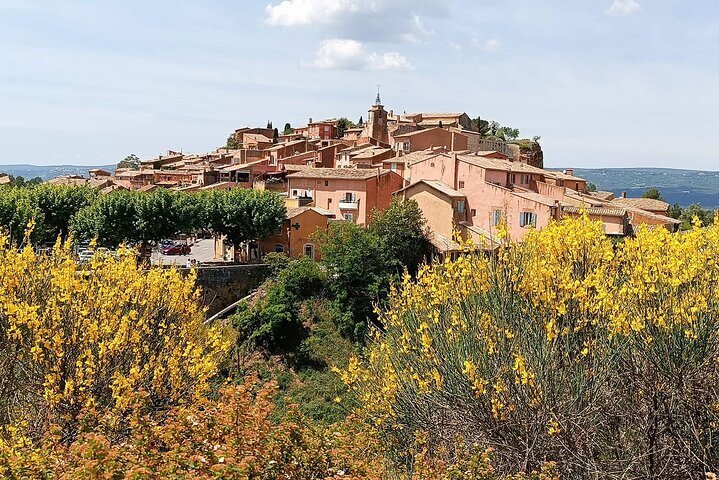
76,343
602,358
235,438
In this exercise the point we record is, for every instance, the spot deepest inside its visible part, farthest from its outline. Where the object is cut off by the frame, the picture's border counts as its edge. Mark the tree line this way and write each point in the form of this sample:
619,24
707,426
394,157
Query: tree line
136,217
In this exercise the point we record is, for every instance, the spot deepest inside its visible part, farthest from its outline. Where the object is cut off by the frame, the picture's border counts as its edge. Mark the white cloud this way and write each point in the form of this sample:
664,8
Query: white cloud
487,46
455,46
292,13
363,20
346,54
622,8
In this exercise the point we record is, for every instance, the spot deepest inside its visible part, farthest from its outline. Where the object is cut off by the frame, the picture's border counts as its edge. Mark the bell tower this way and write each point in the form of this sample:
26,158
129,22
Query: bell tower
376,125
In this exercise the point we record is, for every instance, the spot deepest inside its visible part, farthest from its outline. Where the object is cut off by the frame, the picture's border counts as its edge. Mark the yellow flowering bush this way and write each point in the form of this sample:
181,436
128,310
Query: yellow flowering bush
108,336
569,347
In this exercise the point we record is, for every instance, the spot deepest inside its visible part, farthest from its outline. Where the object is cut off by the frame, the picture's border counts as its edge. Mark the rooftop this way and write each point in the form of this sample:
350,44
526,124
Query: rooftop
293,212
418,132
439,186
601,211
339,173
501,164
643,203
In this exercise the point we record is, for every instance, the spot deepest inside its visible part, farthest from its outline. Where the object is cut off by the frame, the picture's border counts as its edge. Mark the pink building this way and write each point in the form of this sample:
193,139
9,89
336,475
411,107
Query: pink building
351,194
429,138
495,189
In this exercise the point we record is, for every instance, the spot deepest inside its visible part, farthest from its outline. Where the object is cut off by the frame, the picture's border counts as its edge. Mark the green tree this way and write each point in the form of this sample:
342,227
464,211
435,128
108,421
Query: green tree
482,126
402,229
110,219
288,129
275,136
360,122
233,143
17,211
687,215
652,193
59,205
343,124
242,214
509,133
131,161
162,214
359,266
675,211
591,187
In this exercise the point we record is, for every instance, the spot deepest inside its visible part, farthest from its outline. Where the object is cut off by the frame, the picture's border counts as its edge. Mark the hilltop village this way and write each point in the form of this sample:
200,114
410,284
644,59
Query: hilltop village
463,181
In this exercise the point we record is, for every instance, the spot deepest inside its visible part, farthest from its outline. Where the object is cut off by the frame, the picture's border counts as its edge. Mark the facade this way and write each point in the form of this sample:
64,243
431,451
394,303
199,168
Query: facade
296,237
363,156
349,193
324,130
429,138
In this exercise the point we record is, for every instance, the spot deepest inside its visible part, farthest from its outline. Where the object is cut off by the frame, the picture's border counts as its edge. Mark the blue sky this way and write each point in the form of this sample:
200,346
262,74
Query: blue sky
606,83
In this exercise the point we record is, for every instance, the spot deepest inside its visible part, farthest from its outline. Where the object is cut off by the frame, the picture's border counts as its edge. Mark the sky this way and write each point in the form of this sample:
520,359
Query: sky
605,83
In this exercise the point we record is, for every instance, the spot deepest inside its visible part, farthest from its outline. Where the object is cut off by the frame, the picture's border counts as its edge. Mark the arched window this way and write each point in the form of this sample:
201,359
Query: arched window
279,248
310,250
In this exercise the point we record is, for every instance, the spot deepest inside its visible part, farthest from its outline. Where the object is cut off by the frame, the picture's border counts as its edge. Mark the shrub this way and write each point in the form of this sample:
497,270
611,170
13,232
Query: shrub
235,438
361,271
566,347
273,323
109,336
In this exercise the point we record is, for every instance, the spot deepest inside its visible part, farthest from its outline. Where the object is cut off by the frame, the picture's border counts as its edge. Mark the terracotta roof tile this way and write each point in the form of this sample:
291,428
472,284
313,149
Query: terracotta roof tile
342,173
643,203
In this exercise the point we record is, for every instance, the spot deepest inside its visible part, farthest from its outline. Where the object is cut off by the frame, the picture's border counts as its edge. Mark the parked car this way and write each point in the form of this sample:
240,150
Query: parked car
176,249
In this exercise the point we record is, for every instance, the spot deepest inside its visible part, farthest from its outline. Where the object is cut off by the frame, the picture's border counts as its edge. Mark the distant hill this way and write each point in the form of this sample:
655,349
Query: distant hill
676,186
50,171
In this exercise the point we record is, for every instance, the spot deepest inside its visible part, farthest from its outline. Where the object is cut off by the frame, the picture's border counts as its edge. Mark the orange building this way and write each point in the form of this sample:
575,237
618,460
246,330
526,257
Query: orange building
351,194
295,239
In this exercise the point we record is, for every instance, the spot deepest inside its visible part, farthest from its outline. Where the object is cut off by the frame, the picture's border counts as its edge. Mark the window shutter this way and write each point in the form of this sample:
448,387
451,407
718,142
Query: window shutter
521,220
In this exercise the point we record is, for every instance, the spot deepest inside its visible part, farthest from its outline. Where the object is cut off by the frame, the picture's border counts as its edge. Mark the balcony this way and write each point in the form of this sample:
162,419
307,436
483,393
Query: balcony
347,204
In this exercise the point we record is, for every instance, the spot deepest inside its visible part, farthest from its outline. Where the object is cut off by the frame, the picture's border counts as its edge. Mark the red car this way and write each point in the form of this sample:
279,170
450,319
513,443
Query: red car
176,249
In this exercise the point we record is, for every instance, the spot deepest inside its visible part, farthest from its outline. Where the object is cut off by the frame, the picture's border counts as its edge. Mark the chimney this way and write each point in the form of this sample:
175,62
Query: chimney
391,113
624,194
309,121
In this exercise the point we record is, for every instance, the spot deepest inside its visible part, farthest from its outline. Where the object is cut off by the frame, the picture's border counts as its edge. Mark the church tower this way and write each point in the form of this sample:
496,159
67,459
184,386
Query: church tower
376,124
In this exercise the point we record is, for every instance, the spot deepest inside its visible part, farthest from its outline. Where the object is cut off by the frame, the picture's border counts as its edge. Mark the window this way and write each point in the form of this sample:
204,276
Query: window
349,217
279,248
349,197
329,203
460,206
528,219
513,178
406,146
526,179
393,166
461,184
473,212
310,250
496,217
327,183
295,193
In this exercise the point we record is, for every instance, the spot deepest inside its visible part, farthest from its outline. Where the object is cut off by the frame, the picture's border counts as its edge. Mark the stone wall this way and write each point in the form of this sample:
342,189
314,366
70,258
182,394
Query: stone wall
224,285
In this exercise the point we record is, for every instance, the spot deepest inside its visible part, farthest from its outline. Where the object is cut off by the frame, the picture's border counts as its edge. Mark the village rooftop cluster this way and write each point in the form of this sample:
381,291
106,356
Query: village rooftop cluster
464,183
